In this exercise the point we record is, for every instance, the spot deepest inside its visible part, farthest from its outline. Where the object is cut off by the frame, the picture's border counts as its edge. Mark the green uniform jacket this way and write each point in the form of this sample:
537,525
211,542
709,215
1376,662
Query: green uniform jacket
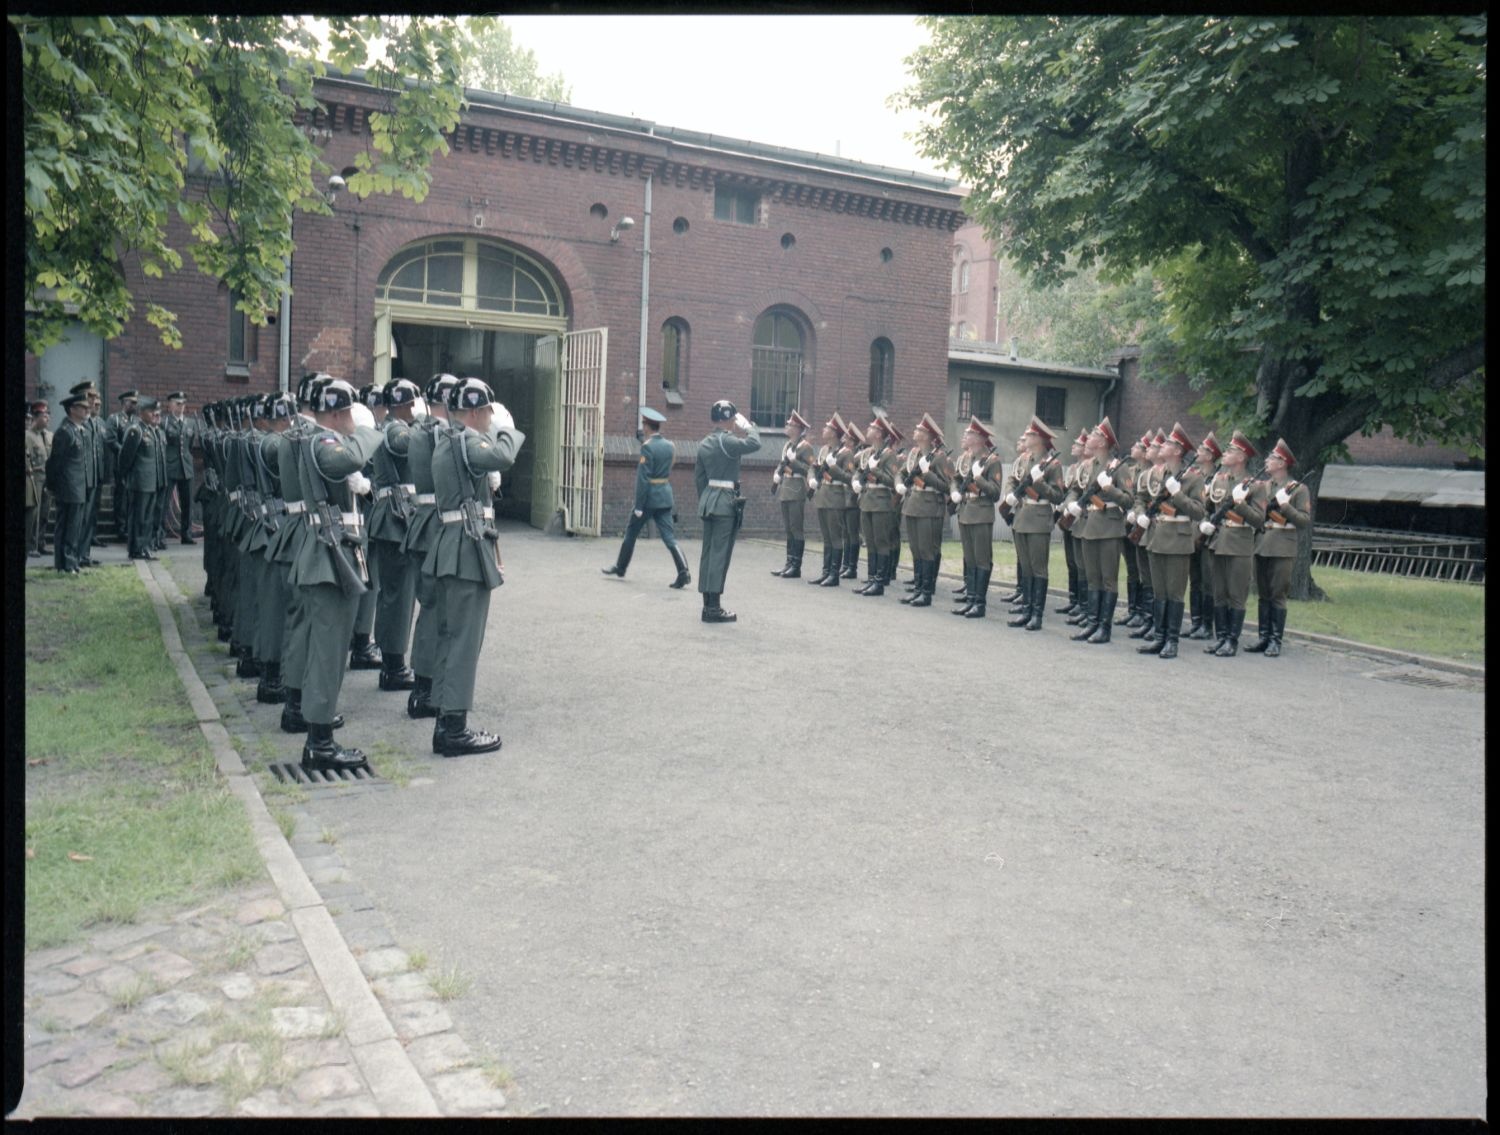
719,460
653,492
100,466
978,486
1174,527
462,460
1241,524
293,530
66,473
1279,538
1036,500
142,460
36,467
796,460
927,494
877,480
330,457
424,521
1105,508
391,467
113,435
182,435
832,478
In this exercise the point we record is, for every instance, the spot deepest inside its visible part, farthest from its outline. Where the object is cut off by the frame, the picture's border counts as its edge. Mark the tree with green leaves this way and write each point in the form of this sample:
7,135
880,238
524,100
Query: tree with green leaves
129,120
495,62
1309,194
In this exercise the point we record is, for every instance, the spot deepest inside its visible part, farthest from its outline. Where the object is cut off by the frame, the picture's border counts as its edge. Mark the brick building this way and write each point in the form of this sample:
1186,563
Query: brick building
584,263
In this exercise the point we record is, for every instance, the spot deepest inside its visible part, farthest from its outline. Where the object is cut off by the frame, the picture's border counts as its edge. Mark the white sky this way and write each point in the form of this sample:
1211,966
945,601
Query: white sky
816,83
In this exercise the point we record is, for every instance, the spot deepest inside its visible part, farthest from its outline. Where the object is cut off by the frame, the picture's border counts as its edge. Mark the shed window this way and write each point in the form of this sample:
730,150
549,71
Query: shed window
975,400
1052,404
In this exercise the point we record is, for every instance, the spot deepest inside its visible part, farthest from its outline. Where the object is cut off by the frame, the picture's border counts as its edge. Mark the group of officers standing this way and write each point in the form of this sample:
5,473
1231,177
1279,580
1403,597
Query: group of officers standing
1193,532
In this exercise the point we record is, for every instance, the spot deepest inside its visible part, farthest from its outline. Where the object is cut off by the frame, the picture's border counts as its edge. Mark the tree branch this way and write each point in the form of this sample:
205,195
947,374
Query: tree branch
1462,362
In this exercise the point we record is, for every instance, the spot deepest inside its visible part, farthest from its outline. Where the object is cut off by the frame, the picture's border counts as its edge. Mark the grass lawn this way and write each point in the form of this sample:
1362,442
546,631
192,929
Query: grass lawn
124,805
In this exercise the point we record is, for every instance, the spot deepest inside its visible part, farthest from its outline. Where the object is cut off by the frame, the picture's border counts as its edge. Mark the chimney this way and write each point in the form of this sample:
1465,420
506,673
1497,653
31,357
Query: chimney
1015,348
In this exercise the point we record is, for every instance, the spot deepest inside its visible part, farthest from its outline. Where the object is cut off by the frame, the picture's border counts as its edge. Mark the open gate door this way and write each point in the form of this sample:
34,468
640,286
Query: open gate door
581,476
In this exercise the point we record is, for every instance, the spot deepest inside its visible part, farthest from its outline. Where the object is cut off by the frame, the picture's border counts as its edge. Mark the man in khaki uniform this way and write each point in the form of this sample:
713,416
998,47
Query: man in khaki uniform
789,485
38,447
831,477
923,489
1150,463
975,489
853,441
1103,497
1014,470
1201,578
1168,502
1032,497
1288,510
1066,522
1239,504
876,469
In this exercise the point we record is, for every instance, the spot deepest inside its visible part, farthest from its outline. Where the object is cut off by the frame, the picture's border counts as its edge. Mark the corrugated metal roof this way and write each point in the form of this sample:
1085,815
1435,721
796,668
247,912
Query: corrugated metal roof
1428,488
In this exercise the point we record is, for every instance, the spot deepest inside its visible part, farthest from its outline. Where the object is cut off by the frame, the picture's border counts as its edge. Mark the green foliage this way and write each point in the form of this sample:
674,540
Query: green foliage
1081,320
1308,192
129,120
495,62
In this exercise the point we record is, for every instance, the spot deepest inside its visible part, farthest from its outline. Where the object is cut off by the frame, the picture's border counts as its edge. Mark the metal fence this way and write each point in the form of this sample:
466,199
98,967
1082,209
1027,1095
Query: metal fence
1459,559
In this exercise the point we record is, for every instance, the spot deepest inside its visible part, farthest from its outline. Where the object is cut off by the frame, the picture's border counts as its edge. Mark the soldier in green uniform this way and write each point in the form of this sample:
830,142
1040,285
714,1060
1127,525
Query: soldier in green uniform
1015,469
1239,509
141,465
1137,609
830,480
182,437
39,436
69,471
716,476
975,490
1151,463
1077,468
1100,507
876,469
479,443
99,472
249,535
1288,509
923,489
34,485
653,500
114,428
1039,487
854,440
329,568
791,493
394,501
1168,503
419,533
273,593
1201,577
363,654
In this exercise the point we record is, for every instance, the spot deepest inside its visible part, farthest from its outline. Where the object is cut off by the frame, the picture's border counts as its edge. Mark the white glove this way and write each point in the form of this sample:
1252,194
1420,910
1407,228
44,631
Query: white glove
494,481
1010,499
900,488
1239,493
1283,497
812,479
923,464
776,477
502,419
1105,480
787,452
1074,509
872,462
1130,517
855,484
742,421
638,512
362,415
419,408
1205,527
1174,486
1036,472
358,483
955,496
830,459
1143,520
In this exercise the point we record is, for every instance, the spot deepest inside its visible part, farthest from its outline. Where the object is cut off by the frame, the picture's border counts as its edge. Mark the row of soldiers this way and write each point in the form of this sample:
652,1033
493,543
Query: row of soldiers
311,512
1192,533
147,455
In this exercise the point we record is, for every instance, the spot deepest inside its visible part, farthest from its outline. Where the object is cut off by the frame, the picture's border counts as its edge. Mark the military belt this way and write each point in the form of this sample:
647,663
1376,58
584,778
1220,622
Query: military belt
1173,519
656,480
296,508
425,498
381,494
722,485
1235,523
457,515
1273,524
275,505
350,519
234,496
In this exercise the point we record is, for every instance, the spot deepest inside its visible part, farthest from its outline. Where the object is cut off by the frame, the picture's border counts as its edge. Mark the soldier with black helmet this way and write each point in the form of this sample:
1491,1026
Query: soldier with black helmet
394,500
420,530
273,592
716,475
363,654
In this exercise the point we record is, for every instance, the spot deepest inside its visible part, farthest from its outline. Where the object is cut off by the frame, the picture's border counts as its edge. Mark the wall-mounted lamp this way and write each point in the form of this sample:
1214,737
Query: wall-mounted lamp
335,187
620,226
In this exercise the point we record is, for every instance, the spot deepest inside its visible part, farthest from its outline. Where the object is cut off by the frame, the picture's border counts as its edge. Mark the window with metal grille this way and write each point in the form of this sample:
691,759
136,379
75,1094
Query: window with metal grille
742,206
241,333
472,275
775,368
975,400
1051,404
674,344
882,373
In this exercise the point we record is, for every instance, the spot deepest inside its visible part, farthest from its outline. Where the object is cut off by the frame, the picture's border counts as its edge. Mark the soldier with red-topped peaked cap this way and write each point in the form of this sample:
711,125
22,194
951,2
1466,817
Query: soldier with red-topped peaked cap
1238,503
1107,492
1033,497
1015,469
876,469
1200,578
979,476
792,483
853,442
829,480
1168,503
923,488
1288,510
1067,522
1136,611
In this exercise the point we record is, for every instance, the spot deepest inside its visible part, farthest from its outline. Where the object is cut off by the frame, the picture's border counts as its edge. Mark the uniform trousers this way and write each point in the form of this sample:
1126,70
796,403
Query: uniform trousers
364,616
978,541
429,627
1131,553
83,538
293,635
1169,575
247,599
1273,580
713,561
1032,550
1231,576
1101,563
1203,575
36,531
850,522
397,592
330,622
464,609
664,528
1070,552
791,517
183,490
831,525
65,537
880,530
158,525
925,534
142,526
272,598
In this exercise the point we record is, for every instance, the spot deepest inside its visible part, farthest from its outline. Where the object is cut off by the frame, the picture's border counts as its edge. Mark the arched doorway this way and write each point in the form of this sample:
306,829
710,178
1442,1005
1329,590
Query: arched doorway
480,307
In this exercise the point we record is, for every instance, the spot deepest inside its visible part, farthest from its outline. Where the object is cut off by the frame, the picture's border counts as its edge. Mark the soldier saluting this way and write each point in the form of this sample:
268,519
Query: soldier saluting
716,475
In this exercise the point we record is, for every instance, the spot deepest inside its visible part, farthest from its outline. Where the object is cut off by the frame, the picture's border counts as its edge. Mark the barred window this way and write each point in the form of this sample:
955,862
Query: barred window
882,373
241,333
976,400
775,369
1051,404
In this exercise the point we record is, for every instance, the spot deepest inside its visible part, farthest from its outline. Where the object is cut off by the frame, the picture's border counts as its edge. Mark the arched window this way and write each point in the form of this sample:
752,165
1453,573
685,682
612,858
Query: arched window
674,355
960,268
471,275
963,276
775,368
882,373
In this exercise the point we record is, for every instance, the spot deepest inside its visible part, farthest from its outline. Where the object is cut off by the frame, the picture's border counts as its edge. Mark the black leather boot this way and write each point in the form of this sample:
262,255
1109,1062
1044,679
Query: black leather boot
418,702
1207,630
1083,613
1075,603
1132,603
965,598
835,565
926,583
712,612
615,569
454,738
851,562
362,653
917,580
981,593
1221,625
321,751
269,690
1090,619
1107,603
247,666
1229,646
684,577
822,575
1154,643
292,720
1195,611
1278,625
787,563
395,674
1265,631
1171,630
876,584
794,565
1039,603
1146,627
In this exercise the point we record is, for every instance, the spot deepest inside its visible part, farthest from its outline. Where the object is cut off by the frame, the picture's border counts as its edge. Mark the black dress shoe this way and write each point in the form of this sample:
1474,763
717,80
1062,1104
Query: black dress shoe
615,570
188,540
718,615
98,543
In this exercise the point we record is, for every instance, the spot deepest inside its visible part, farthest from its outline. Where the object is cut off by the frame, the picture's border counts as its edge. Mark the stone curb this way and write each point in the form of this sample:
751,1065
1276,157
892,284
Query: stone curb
393,1080
1384,653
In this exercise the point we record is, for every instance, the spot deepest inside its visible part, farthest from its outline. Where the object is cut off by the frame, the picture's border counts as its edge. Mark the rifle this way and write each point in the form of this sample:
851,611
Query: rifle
328,527
474,524
783,467
1275,514
1152,508
1223,510
1006,512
